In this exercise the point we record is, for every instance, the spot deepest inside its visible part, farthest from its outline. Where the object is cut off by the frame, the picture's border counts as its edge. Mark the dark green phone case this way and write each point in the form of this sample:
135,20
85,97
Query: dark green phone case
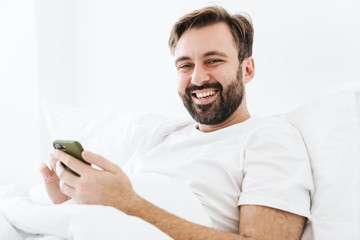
72,148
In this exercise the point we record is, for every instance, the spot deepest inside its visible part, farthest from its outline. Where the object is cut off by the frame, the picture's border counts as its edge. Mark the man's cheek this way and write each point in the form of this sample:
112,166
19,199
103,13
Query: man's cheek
182,83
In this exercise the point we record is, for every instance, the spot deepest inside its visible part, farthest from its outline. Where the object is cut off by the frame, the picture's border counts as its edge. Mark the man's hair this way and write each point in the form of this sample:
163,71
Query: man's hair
239,25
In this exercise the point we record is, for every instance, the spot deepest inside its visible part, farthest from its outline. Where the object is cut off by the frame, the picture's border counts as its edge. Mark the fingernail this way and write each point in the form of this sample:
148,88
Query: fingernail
49,174
86,153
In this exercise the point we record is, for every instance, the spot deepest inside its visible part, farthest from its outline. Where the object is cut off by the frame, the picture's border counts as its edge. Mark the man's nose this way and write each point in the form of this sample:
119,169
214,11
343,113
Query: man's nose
199,76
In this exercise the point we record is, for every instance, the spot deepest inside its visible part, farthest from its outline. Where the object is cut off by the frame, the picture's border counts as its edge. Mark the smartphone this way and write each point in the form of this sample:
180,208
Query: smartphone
72,148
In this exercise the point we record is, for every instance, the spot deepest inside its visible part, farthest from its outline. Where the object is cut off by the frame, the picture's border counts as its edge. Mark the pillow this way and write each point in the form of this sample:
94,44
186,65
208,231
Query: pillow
330,127
99,132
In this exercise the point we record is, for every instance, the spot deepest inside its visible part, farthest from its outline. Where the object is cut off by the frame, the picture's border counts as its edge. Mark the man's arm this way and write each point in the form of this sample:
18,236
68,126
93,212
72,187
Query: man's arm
256,222
112,187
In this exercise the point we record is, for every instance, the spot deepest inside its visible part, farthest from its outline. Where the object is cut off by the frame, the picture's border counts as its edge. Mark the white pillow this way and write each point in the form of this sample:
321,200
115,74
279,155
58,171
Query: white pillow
330,128
102,133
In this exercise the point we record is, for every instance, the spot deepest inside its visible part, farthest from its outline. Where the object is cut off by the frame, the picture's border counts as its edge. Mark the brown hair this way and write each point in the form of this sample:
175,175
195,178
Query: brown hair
239,25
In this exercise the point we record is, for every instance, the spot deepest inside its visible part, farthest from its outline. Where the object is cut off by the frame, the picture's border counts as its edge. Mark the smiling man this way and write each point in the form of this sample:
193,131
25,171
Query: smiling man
210,75
251,174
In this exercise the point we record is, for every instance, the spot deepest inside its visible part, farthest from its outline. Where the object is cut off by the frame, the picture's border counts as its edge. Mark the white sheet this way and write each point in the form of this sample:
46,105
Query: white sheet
33,214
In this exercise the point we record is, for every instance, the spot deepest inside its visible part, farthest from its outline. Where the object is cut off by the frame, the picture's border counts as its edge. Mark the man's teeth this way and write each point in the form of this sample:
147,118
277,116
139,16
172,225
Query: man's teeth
205,94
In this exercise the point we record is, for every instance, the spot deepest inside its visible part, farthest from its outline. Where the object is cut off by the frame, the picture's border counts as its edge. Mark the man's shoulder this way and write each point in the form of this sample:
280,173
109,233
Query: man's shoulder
273,123
273,130
163,126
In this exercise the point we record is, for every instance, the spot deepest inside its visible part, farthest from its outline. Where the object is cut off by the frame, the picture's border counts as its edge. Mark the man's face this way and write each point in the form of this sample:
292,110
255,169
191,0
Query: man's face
209,73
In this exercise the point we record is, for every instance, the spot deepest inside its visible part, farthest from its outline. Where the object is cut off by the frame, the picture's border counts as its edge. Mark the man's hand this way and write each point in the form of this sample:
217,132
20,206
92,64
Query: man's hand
109,186
51,181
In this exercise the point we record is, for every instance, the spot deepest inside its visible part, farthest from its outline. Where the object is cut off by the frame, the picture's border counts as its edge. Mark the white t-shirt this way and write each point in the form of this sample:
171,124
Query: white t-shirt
262,161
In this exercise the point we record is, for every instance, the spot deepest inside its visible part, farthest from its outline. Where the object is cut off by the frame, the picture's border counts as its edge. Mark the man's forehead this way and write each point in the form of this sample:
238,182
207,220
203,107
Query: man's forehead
215,38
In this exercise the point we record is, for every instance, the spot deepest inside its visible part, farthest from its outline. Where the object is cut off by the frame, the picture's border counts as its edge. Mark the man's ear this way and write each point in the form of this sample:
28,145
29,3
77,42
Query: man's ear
248,69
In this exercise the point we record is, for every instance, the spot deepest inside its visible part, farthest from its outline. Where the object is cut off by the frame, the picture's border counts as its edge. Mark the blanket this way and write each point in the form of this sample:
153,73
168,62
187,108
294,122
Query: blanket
29,214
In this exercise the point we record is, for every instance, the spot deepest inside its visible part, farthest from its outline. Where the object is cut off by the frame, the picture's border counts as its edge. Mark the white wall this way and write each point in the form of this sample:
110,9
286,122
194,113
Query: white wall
301,49
113,55
19,94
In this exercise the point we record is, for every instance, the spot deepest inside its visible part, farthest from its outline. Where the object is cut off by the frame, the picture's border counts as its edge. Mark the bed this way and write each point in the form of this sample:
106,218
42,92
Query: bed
329,125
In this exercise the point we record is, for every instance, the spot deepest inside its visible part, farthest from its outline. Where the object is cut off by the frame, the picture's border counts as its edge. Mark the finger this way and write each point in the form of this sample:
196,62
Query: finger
66,176
99,161
52,161
46,172
66,189
73,163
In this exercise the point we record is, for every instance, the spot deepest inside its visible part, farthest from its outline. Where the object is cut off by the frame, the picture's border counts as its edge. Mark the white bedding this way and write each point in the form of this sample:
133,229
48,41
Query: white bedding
32,216
330,126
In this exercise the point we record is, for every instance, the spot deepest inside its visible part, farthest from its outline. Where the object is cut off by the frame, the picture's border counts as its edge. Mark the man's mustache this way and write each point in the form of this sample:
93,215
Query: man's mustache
193,87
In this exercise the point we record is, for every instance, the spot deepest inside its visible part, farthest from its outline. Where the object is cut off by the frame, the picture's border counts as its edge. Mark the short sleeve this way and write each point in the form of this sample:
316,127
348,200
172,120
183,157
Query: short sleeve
277,170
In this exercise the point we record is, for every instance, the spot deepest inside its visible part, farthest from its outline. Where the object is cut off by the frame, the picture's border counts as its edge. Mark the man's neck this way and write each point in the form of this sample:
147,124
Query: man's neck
240,115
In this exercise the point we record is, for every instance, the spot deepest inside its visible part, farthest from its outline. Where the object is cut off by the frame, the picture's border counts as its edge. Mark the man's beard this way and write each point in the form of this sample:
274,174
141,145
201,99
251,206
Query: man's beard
216,112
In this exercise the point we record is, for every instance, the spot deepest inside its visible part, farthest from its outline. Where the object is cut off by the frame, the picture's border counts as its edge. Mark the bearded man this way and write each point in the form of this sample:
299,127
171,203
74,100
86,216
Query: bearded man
251,174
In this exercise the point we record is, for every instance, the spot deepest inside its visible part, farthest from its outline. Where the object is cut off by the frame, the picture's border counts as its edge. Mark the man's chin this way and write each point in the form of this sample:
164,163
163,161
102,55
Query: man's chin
202,108
206,118
206,114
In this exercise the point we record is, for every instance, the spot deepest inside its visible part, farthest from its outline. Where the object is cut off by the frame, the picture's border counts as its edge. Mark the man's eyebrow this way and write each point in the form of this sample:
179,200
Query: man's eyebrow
214,53
179,59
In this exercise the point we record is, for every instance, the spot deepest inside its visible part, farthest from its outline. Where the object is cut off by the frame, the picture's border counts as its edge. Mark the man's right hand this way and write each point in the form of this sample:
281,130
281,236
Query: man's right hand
52,181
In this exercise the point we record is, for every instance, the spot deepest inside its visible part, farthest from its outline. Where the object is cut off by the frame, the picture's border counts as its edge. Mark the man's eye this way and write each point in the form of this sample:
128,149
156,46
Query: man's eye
184,66
212,61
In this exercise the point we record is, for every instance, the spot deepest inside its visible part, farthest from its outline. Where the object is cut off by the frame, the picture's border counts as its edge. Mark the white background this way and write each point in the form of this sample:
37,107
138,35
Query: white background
113,56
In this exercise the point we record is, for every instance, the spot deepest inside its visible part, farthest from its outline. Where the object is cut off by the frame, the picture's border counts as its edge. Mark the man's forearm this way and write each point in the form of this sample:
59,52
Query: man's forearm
176,227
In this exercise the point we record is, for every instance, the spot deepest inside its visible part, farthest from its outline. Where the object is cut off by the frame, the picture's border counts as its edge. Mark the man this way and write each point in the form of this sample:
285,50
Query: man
251,174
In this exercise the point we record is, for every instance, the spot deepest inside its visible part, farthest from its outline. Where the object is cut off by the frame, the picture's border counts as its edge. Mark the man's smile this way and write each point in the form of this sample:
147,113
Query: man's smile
204,96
